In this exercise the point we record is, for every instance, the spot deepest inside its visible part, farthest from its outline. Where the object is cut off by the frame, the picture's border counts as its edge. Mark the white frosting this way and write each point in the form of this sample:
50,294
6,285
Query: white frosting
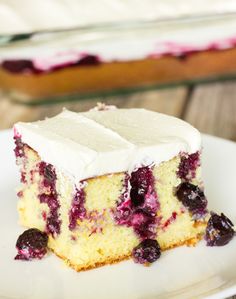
124,43
94,143
122,30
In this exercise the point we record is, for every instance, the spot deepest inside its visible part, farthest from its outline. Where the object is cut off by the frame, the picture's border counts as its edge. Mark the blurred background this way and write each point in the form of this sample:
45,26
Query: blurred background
171,56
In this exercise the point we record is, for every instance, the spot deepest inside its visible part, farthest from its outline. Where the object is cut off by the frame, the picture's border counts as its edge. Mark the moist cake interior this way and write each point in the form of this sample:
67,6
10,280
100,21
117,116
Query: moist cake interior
95,220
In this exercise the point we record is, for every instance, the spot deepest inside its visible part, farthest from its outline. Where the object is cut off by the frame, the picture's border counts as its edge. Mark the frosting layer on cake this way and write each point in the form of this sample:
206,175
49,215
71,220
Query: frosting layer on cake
95,143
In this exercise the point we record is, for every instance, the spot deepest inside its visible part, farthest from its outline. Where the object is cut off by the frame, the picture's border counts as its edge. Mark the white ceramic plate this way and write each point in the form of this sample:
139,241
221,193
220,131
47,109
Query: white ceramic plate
199,272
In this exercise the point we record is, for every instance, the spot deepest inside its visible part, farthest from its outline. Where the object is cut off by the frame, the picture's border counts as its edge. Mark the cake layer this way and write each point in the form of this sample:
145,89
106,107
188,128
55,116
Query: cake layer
108,184
84,145
95,221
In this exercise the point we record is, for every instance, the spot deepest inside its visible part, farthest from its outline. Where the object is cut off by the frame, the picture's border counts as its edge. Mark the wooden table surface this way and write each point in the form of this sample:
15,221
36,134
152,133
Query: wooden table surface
209,107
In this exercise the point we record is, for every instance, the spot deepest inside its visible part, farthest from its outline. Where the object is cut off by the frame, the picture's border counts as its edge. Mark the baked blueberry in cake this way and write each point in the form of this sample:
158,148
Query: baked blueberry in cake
31,244
103,186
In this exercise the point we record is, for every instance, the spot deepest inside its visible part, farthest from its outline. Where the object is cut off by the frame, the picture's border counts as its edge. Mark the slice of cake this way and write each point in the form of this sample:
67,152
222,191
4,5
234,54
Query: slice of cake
103,186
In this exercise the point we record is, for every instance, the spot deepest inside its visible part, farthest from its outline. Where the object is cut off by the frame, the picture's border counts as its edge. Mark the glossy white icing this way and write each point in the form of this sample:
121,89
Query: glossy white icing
101,142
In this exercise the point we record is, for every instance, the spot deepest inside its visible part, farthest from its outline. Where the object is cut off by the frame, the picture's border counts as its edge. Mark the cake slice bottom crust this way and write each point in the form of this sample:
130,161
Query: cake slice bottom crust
190,243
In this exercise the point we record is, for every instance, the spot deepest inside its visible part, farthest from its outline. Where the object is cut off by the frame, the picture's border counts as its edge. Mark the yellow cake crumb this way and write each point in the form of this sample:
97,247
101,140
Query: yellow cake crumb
99,240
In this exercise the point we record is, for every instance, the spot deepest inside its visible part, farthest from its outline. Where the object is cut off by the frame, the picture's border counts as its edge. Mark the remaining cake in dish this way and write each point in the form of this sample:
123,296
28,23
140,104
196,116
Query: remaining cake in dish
107,185
64,49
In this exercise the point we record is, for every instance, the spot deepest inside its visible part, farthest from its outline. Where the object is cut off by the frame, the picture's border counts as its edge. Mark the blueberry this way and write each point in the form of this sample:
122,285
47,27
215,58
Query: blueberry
18,66
140,208
219,231
148,251
140,181
141,178
137,196
49,174
192,197
188,166
31,244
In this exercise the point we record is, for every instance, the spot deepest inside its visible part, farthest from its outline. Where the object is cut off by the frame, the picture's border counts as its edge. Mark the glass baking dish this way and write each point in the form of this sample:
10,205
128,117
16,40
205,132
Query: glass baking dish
115,58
